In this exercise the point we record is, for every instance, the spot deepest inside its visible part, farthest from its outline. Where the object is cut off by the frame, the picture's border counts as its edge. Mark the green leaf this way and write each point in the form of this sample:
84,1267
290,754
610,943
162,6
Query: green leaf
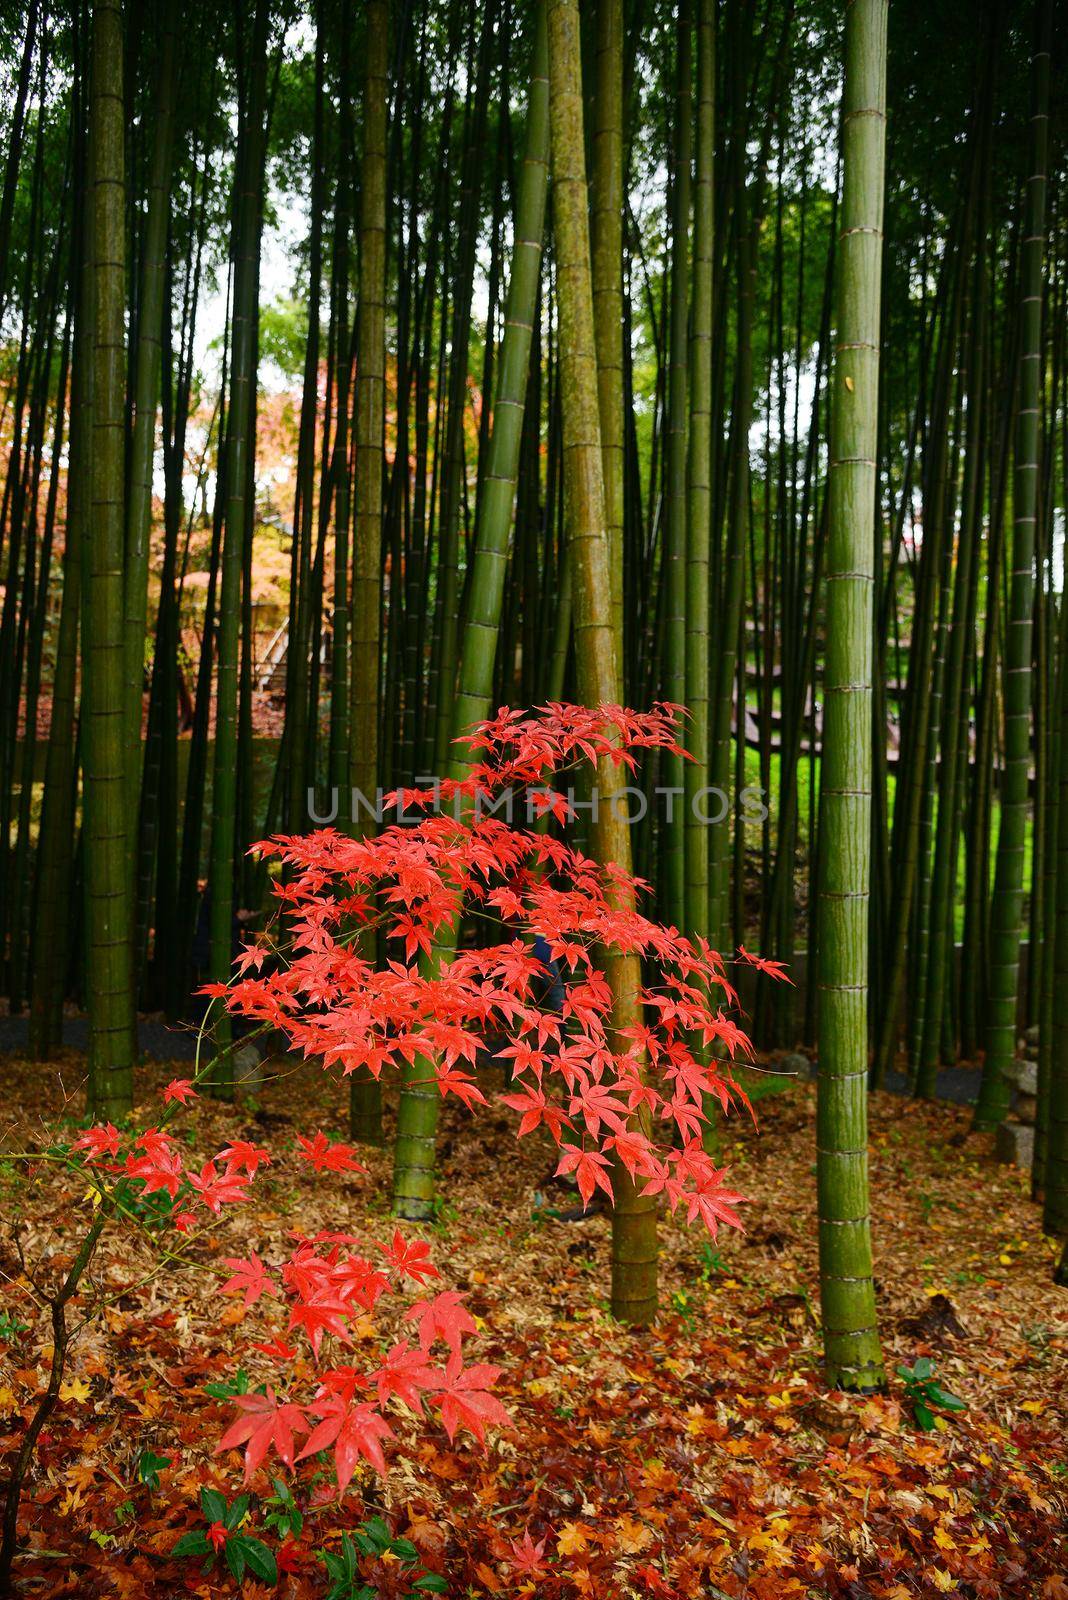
405,1549
237,1512
378,1533
942,1397
235,1557
260,1559
213,1505
149,1467
924,1416
239,1384
194,1543
432,1583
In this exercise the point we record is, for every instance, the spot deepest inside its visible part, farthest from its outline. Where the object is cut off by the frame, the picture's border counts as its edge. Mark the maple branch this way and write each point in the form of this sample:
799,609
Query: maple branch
46,1405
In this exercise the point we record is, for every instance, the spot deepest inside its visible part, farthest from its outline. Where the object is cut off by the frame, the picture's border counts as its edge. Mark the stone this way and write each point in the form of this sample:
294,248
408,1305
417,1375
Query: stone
1014,1145
796,1065
1023,1075
248,1070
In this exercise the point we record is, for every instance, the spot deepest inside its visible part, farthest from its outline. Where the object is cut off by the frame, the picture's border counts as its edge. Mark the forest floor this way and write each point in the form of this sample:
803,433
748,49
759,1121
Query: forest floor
702,1457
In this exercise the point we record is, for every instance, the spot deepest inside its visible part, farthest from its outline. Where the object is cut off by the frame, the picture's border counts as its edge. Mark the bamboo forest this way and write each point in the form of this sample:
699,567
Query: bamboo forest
534,799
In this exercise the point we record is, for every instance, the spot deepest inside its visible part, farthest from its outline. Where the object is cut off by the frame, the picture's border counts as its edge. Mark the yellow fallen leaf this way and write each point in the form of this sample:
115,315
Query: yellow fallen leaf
944,1581
571,1540
1035,1407
76,1389
944,1539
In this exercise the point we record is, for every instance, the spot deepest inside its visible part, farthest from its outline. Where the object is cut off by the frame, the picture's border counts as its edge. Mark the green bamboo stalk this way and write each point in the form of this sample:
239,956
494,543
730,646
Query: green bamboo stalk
1054,1167
146,381
112,1023
954,744
239,511
1006,913
852,1355
674,626
1058,688
299,716
634,1244
606,244
699,482
417,1114
454,463
339,679
365,1095
55,851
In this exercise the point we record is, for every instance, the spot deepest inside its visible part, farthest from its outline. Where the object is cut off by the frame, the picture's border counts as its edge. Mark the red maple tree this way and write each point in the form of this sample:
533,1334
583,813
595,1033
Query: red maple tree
636,1094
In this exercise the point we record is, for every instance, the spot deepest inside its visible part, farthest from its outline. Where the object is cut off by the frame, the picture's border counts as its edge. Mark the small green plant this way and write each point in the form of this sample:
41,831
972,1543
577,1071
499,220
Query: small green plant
223,1535
683,1306
442,1213
280,1512
373,1542
149,1467
10,1327
711,1262
241,1383
926,1397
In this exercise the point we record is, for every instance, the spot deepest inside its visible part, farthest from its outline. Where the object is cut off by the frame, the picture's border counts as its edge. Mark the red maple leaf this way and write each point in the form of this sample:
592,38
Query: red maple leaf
528,1557
180,1089
327,1157
250,1278
354,1431
97,1142
265,1422
466,1402
159,1167
243,1156
406,1374
278,1349
216,1188
590,1169
317,1317
773,969
410,1258
443,1317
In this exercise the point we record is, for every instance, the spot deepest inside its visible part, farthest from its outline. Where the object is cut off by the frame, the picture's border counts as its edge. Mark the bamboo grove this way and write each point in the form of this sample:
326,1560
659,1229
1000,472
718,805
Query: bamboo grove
712,353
